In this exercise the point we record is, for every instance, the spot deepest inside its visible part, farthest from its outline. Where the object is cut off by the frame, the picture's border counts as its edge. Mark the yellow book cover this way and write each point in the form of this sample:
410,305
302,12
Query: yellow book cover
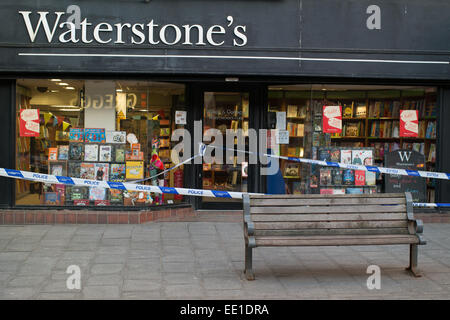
134,170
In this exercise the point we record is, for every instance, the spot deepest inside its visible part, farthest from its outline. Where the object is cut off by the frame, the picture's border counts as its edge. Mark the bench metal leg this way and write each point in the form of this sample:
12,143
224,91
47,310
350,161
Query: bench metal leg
413,257
248,264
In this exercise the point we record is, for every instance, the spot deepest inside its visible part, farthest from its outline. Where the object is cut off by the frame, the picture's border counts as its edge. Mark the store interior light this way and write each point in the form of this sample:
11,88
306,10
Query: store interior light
63,84
75,109
54,91
119,90
67,107
70,88
55,80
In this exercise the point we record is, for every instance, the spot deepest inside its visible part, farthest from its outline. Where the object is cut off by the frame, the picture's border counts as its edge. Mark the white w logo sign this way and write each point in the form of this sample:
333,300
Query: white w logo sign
406,155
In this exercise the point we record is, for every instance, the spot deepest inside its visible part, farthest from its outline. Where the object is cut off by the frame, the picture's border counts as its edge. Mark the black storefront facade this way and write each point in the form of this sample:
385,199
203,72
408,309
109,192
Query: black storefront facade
261,57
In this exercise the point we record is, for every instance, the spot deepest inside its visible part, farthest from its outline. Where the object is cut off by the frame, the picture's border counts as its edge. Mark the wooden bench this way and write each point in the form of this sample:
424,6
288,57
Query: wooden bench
330,220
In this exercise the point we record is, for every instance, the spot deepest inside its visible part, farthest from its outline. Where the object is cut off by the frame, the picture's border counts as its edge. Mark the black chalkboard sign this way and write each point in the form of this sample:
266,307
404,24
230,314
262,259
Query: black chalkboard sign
405,159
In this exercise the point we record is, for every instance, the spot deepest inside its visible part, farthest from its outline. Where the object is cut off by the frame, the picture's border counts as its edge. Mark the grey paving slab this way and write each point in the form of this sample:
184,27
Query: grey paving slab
204,260
26,281
103,280
107,268
101,292
141,285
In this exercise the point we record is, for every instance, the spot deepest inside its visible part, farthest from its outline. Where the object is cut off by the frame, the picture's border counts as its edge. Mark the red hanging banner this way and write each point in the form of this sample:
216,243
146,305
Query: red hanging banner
409,123
29,123
332,119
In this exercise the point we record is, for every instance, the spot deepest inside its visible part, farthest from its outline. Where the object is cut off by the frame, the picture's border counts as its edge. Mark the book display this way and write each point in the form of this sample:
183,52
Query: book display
340,181
77,132
370,124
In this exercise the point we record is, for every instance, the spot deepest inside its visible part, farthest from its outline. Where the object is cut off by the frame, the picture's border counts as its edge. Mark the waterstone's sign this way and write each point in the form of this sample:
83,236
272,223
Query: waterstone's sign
75,30
327,38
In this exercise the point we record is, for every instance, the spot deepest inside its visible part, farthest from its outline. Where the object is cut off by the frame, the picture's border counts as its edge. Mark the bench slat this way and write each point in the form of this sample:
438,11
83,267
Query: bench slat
337,241
327,217
330,209
330,225
318,202
331,232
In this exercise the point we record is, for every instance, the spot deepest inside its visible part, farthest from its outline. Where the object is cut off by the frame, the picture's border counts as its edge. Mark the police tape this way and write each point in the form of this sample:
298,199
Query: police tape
53,179
431,205
375,169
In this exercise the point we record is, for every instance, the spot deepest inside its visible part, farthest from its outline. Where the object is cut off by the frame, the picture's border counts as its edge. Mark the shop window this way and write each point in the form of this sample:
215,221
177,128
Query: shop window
228,113
370,135
100,130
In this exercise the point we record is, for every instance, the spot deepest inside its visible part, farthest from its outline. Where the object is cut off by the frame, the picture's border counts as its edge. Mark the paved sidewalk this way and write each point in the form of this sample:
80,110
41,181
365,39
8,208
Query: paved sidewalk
204,260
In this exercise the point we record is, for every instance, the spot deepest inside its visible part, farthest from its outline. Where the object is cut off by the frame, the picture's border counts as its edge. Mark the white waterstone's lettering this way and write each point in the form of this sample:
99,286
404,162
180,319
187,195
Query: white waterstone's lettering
77,30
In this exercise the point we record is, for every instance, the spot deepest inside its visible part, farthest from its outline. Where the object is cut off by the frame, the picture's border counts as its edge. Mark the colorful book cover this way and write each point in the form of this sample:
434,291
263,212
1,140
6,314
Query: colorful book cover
335,155
101,203
93,135
118,171
296,187
338,190
314,180
326,191
336,175
360,177
115,136
96,193
76,135
134,170
348,177
80,202
102,171
60,188
76,151
78,193
371,178
52,154
325,177
105,153
346,156
355,190
56,169
63,152
87,171
52,198
348,111
119,154
357,157
91,152
115,196
324,154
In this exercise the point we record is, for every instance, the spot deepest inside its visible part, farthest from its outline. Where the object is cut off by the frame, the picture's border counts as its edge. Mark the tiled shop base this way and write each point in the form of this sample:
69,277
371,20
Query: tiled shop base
137,217
92,216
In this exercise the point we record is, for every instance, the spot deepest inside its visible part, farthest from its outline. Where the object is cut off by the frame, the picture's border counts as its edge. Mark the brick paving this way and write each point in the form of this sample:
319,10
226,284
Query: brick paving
204,260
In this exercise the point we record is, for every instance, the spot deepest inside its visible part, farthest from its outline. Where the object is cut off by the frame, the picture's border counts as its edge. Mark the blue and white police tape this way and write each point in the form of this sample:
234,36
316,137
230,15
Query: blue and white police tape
431,205
390,171
52,179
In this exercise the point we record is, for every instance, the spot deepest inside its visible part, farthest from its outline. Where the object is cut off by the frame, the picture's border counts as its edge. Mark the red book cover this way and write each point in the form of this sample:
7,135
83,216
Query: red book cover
360,177
81,202
101,202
